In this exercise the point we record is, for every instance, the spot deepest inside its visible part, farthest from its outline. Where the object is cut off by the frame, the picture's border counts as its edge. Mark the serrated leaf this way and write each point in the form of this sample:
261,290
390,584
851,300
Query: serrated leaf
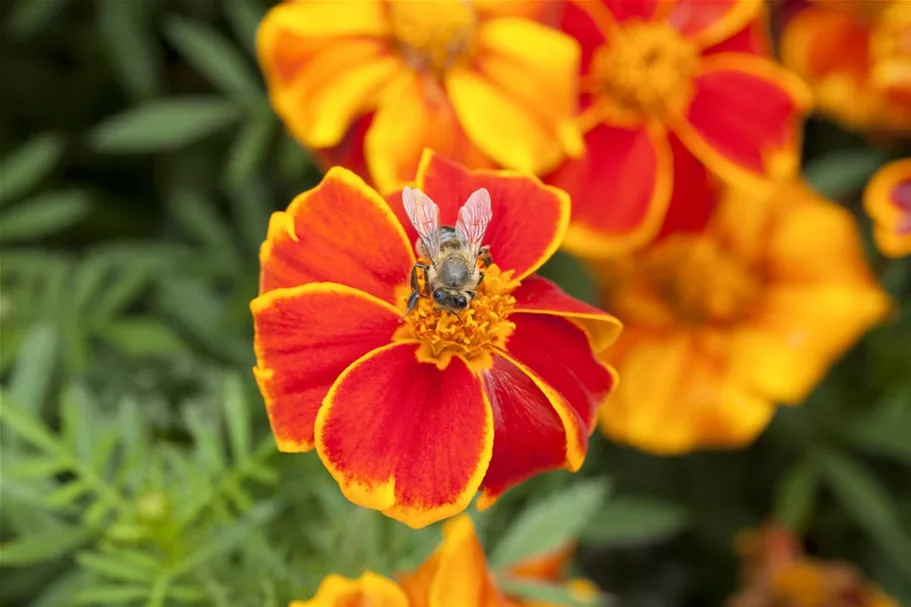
549,523
142,336
543,593
44,215
796,495
132,47
43,545
24,169
236,416
631,519
214,57
163,125
28,426
115,568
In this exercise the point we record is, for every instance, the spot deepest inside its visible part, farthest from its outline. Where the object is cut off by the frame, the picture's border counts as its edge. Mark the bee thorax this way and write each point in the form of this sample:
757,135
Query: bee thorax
454,272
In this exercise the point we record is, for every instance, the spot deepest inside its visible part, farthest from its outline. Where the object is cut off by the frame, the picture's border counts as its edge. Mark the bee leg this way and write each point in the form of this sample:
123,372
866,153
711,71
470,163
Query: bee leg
484,255
480,278
425,268
415,289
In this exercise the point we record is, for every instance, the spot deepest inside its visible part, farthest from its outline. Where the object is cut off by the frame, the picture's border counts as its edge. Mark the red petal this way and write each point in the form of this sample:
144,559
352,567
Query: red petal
567,363
576,22
709,22
406,438
695,194
341,231
620,189
624,10
529,218
752,39
529,435
302,346
745,109
538,295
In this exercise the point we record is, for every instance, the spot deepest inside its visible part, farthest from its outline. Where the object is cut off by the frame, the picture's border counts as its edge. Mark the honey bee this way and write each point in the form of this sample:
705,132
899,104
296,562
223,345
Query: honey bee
452,277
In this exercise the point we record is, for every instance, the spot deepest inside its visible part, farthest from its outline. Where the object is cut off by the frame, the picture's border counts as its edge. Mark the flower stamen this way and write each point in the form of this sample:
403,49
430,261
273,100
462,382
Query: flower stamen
473,334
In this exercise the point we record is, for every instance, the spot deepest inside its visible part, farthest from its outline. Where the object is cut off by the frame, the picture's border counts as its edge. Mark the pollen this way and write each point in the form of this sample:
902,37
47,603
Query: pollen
645,71
473,334
434,34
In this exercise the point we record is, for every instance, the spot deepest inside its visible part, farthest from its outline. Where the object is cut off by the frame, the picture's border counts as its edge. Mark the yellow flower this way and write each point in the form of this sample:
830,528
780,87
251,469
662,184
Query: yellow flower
726,319
478,81
887,199
856,56
369,590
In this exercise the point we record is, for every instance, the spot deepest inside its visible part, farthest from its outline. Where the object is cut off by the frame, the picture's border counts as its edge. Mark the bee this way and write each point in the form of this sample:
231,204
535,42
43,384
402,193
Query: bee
452,277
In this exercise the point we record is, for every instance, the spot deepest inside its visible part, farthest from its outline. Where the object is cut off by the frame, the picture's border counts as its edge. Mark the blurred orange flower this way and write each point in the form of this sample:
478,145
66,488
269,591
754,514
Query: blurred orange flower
462,77
856,56
776,573
369,590
455,575
413,416
670,89
731,310
887,200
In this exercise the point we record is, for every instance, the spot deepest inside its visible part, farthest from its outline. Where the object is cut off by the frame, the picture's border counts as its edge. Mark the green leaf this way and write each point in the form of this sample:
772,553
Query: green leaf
631,519
868,502
163,125
142,336
131,44
549,523
44,215
796,495
43,545
840,173
236,416
28,16
31,377
115,568
67,494
200,217
29,426
36,467
244,17
886,429
540,592
207,51
77,414
24,169
111,595
250,147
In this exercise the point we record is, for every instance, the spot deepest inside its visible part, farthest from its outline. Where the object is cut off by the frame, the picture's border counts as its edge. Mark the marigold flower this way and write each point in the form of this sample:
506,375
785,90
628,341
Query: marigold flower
668,90
414,416
727,318
369,590
887,199
462,77
776,573
856,57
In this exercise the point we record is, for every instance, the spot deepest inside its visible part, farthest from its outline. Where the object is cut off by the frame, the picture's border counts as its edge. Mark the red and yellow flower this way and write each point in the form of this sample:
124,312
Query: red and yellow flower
455,575
856,57
412,417
776,573
668,90
371,83
887,199
732,309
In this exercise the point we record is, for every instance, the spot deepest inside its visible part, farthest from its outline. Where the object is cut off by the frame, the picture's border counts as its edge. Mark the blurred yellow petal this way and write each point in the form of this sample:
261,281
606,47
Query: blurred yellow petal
331,18
369,590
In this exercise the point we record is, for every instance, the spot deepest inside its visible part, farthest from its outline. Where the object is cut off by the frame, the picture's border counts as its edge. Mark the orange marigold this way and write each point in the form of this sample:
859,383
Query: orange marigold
887,199
372,83
732,309
856,57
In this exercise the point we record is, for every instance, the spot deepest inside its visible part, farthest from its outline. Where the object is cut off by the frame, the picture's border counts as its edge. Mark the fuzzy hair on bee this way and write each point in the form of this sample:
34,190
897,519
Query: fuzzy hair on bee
452,276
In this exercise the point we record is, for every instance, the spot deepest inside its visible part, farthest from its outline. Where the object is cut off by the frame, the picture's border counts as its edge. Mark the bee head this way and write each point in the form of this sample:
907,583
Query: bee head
450,300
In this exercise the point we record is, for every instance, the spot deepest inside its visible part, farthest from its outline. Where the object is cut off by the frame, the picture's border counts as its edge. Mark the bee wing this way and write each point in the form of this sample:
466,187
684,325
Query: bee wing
424,215
474,216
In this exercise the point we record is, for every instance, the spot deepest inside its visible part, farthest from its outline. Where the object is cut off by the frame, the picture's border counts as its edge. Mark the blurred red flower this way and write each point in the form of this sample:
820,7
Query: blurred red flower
413,418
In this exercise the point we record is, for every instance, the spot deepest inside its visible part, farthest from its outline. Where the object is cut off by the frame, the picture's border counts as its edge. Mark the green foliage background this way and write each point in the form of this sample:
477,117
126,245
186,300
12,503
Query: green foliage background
140,163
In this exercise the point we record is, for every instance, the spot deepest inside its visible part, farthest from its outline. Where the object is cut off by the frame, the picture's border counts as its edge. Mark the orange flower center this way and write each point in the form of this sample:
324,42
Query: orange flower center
433,34
685,279
645,70
472,334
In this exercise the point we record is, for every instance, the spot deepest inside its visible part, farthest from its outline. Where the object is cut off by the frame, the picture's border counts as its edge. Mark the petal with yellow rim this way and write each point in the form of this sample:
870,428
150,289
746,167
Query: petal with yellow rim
530,435
743,117
696,194
369,590
404,437
529,218
708,22
537,295
340,231
414,114
675,398
302,346
620,189
754,38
